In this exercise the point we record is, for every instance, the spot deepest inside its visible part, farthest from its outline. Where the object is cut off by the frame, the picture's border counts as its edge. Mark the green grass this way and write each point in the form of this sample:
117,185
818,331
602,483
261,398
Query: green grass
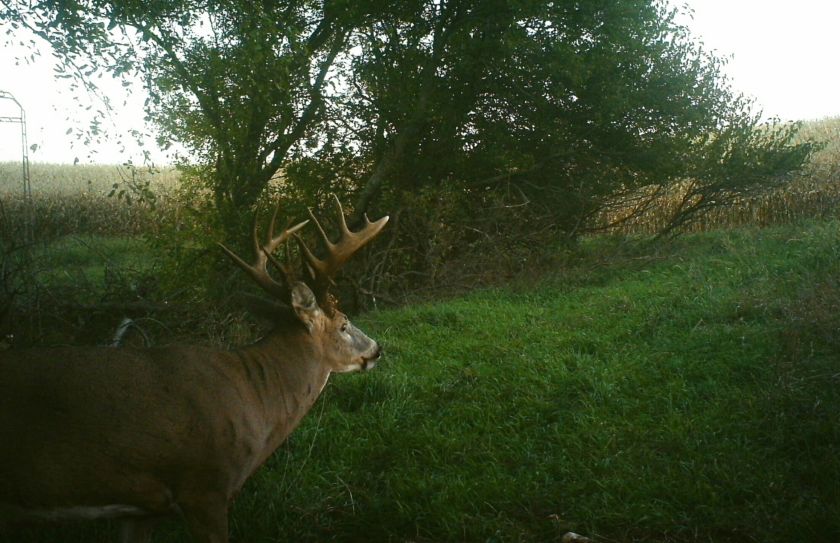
647,399
76,289
87,263
647,392
90,255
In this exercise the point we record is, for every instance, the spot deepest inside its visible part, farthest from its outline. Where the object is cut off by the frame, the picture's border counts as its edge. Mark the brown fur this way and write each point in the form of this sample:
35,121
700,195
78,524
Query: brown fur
160,431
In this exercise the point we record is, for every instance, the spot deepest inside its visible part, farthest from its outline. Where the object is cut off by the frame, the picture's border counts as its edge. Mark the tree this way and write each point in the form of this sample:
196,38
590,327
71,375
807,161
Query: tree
239,83
562,106
566,106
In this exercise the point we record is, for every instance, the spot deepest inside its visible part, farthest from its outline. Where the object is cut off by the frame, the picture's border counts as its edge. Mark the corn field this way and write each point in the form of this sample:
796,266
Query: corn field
813,193
802,198
91,199
120,200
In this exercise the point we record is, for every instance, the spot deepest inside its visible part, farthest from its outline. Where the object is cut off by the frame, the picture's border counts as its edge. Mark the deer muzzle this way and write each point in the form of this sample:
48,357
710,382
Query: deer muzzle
369,362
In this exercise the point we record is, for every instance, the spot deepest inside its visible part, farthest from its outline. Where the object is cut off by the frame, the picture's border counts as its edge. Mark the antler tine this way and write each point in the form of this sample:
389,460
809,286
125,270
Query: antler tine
342,222
287,276
273,221
258,271
255,234
340,252
272,241
324,236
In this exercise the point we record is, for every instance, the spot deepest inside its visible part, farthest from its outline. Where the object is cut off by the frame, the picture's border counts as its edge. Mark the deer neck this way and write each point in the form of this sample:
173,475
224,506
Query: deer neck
284,374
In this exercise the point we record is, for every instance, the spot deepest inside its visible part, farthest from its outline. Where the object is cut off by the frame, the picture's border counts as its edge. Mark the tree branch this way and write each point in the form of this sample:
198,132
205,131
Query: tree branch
281,145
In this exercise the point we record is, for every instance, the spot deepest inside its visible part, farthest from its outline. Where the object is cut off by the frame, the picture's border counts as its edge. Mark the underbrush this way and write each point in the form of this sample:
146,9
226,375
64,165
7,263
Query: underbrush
671,391
76,290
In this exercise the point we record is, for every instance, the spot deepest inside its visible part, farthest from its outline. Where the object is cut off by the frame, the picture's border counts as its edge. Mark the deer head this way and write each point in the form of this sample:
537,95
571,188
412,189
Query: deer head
344,347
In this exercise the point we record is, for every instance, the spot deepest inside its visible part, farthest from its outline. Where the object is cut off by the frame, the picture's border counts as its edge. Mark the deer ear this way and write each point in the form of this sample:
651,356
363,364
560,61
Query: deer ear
305,305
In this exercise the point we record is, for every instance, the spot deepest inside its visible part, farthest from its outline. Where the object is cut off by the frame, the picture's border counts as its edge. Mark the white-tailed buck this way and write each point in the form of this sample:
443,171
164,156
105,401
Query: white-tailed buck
138,434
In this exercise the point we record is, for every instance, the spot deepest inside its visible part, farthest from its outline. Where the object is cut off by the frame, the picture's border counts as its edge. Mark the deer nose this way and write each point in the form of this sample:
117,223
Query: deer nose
369,362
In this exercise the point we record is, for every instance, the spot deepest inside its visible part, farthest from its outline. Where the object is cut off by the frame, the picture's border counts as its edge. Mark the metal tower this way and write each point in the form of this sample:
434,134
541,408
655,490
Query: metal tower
27,184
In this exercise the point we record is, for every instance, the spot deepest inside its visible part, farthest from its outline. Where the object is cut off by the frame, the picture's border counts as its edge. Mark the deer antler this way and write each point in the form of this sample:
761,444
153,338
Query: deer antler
262,254
323,270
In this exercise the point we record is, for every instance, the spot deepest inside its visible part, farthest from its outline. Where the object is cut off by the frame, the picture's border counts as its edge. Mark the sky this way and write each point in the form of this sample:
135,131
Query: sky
781,53
784,53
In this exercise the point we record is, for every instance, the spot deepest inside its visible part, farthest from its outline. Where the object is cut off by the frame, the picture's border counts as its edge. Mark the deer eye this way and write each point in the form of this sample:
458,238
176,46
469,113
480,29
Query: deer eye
344,327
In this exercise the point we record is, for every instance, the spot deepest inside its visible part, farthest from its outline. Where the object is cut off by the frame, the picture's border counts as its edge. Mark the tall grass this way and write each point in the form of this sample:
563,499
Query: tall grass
88,179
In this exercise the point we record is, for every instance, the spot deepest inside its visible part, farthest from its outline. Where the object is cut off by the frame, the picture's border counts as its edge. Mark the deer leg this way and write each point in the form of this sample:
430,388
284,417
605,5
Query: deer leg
206,518
137,530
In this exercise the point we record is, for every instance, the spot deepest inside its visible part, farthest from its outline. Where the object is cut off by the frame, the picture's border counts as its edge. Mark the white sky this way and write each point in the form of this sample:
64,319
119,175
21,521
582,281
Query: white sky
784,54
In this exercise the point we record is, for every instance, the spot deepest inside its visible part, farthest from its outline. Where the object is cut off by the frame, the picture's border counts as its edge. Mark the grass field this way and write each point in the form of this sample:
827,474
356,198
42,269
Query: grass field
686,391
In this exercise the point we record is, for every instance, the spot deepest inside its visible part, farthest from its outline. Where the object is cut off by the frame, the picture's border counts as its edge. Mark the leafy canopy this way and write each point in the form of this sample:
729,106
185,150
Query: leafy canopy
556,108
